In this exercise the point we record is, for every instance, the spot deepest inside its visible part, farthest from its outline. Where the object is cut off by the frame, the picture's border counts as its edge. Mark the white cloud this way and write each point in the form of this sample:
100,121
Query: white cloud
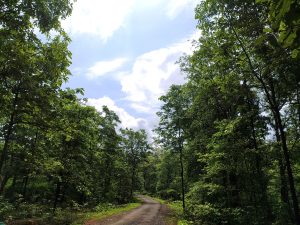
175,7
103,67
98,17
104,17
126,119
140,108
152,74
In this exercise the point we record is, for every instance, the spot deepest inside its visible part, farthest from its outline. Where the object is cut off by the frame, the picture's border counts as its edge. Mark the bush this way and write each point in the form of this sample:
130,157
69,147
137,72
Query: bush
104,207
209,214
204,214
61,218
169,194
6,209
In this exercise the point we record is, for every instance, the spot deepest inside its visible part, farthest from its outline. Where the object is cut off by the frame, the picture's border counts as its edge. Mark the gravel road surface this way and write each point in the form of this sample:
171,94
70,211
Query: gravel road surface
149,213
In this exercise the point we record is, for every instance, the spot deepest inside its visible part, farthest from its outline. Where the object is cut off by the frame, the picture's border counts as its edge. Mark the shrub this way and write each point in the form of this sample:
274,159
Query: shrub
170,194
6,209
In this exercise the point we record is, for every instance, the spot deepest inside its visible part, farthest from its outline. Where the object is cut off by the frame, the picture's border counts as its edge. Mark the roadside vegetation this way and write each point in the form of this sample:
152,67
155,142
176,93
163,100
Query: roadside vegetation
176,215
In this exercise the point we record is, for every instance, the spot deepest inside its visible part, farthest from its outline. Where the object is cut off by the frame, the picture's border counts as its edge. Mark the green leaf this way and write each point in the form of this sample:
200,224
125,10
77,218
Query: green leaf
295,53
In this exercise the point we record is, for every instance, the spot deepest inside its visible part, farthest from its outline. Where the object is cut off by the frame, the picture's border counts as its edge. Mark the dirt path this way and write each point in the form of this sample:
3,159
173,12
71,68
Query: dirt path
149,213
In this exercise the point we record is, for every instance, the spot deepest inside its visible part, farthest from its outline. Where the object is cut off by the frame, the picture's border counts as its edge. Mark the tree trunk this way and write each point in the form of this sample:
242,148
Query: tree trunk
132,181
261,177
6,141
56,197
63,193
180,145
278,123
7,138
3,183
274,106
288,166
107,177
298,103
25,186
182,180
14,182
284,192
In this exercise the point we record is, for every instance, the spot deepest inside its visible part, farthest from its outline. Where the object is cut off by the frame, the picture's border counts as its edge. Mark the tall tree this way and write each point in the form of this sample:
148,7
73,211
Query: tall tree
135,145
171,126
31,70
237,28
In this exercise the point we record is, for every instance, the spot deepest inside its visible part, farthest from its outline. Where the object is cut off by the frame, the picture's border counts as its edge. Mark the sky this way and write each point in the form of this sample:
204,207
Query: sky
124,53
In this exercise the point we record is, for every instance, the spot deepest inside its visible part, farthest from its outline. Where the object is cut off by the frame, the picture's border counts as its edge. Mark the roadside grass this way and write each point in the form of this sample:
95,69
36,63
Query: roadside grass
101,212
176,208
28,214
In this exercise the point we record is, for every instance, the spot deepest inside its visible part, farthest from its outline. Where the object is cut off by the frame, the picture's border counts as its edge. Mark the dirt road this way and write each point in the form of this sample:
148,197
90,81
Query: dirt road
149,213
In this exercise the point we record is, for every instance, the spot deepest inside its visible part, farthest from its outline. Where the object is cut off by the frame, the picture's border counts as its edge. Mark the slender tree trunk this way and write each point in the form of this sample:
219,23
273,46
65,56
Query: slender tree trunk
180,144
3,183
14,182
56,197
25,187
4,153
288,167
182,180
132,181
145,177
284,193
82,198
298,103
261,177
108,174
63,193
282,135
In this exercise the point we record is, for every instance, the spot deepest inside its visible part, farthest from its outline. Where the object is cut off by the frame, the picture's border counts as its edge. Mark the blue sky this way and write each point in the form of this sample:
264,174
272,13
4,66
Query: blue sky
124,53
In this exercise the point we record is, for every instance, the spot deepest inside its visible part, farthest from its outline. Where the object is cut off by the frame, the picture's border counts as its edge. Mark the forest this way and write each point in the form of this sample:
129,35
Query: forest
227,146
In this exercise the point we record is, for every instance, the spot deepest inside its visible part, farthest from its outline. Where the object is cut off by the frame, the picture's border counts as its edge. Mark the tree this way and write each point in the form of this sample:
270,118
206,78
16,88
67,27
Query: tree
171,126
31,71
149,173
260,61
135,145
109,140
284,21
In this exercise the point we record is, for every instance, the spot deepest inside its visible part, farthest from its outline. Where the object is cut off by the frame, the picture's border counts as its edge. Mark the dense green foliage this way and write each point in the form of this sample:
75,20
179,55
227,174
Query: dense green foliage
284,20
55,150
240,128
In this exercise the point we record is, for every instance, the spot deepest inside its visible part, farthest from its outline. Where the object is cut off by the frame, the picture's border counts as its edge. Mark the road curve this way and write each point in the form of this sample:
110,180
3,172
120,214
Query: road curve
149,213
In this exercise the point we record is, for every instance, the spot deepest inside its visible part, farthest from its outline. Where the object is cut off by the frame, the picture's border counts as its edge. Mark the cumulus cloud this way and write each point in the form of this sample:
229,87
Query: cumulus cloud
104,17
175,7
152,74
98,17
103,67
126,119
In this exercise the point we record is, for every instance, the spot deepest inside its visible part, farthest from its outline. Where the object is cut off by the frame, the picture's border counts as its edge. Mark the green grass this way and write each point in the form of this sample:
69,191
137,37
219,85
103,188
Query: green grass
176,208
104,212
161,201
